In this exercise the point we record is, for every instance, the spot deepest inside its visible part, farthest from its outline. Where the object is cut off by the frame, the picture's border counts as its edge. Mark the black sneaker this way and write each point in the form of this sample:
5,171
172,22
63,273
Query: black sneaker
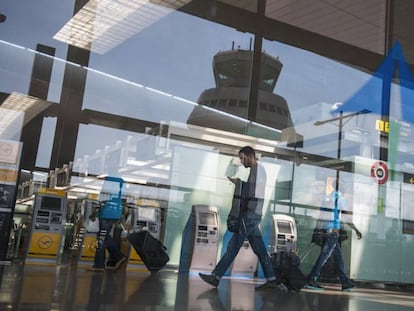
110,263
312,284
348,285
210,279
275,285
116,265
95,269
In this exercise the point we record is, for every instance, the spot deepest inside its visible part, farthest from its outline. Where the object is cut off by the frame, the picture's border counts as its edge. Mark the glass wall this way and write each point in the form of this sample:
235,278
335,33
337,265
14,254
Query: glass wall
340,111
165,93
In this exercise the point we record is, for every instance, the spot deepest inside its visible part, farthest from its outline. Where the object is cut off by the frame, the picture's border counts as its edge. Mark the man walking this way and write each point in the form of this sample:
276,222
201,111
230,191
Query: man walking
109,213
330,221
251,206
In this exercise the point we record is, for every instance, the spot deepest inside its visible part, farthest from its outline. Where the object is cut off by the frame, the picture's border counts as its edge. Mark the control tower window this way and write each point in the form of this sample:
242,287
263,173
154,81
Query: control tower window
213,103
223,77
222,102
272,108
263,106
269,82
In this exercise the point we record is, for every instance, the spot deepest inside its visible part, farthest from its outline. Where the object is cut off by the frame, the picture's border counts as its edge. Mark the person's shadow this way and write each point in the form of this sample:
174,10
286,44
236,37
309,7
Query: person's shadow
150,291
105,289
281,301
318,301
212,298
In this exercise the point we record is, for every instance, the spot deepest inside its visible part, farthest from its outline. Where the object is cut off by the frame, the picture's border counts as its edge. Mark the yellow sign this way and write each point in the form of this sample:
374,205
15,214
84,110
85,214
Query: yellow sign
52,191
8,176
44,245
382,126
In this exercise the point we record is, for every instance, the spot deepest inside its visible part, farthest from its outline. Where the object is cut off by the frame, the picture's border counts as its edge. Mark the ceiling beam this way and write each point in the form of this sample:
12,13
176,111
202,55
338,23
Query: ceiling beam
246,21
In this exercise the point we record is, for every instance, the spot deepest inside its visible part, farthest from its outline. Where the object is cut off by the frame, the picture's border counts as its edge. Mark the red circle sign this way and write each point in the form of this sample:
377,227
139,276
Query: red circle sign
379,171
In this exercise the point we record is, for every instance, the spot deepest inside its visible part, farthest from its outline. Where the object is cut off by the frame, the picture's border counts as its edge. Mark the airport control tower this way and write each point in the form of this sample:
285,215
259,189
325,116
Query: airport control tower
232,71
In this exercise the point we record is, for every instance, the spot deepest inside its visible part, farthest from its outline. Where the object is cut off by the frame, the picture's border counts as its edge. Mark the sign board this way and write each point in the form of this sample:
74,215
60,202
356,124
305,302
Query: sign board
379,171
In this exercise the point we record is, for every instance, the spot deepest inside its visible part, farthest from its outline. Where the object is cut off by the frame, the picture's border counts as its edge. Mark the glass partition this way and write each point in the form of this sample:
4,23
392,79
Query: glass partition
166,92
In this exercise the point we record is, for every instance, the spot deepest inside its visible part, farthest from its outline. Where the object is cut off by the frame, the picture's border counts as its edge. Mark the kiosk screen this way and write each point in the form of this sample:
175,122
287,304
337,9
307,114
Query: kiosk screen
284,227
207,219
147,213
50,203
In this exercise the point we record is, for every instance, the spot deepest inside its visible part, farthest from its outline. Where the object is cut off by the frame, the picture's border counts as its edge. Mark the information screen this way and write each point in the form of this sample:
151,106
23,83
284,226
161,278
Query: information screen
50,203
284,227
207,219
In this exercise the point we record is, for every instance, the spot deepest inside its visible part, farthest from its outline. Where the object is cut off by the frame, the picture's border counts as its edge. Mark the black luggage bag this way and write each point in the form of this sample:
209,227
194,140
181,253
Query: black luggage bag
286,266
151,250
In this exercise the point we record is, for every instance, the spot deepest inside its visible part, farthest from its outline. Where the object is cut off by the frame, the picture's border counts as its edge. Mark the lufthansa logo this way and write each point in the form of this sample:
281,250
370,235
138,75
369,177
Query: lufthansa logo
379,171
45,242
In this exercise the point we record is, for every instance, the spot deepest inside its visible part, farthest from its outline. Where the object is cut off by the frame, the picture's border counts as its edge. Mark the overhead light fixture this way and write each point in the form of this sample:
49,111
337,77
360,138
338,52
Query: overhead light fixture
30,105
11,123
103,24
18,110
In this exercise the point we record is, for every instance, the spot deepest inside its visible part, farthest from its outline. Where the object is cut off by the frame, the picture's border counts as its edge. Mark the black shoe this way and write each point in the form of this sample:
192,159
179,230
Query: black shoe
94,269
348,285
312,284
117,264
210,279
275,285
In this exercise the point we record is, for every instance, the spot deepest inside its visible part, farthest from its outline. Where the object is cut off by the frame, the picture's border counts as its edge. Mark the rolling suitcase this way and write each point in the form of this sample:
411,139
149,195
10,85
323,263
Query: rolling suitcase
285,260
286,265
151,250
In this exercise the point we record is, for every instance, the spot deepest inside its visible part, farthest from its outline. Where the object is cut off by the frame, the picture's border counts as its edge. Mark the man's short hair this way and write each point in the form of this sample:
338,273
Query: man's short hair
247,150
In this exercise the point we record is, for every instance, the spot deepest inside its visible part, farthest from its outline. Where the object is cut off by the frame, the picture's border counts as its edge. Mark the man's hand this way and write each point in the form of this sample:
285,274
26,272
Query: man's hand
359,234
233,179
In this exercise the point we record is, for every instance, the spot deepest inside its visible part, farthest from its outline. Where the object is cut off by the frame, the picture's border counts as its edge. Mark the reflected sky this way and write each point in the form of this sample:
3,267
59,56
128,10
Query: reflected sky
173,55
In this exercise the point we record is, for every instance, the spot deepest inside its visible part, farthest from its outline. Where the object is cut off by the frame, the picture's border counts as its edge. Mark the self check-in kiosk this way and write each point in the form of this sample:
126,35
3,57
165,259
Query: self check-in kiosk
283,239
285,234
145,215
47,234
199,245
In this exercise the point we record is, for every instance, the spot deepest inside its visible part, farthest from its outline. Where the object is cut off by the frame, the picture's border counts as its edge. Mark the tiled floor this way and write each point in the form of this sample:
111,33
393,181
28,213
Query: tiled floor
41,288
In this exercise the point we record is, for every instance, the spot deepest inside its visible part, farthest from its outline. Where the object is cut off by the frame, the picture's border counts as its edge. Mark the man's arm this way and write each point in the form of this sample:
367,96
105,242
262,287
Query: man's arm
358,233
353,227
346,217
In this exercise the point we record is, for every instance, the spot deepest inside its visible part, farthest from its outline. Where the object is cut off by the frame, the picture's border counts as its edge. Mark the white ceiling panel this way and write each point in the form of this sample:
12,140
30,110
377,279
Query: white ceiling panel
355,22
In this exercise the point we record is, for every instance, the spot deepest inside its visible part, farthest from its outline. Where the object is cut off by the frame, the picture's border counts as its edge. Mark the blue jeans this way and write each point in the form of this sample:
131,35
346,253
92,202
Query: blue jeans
251,231
329,248
105,241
